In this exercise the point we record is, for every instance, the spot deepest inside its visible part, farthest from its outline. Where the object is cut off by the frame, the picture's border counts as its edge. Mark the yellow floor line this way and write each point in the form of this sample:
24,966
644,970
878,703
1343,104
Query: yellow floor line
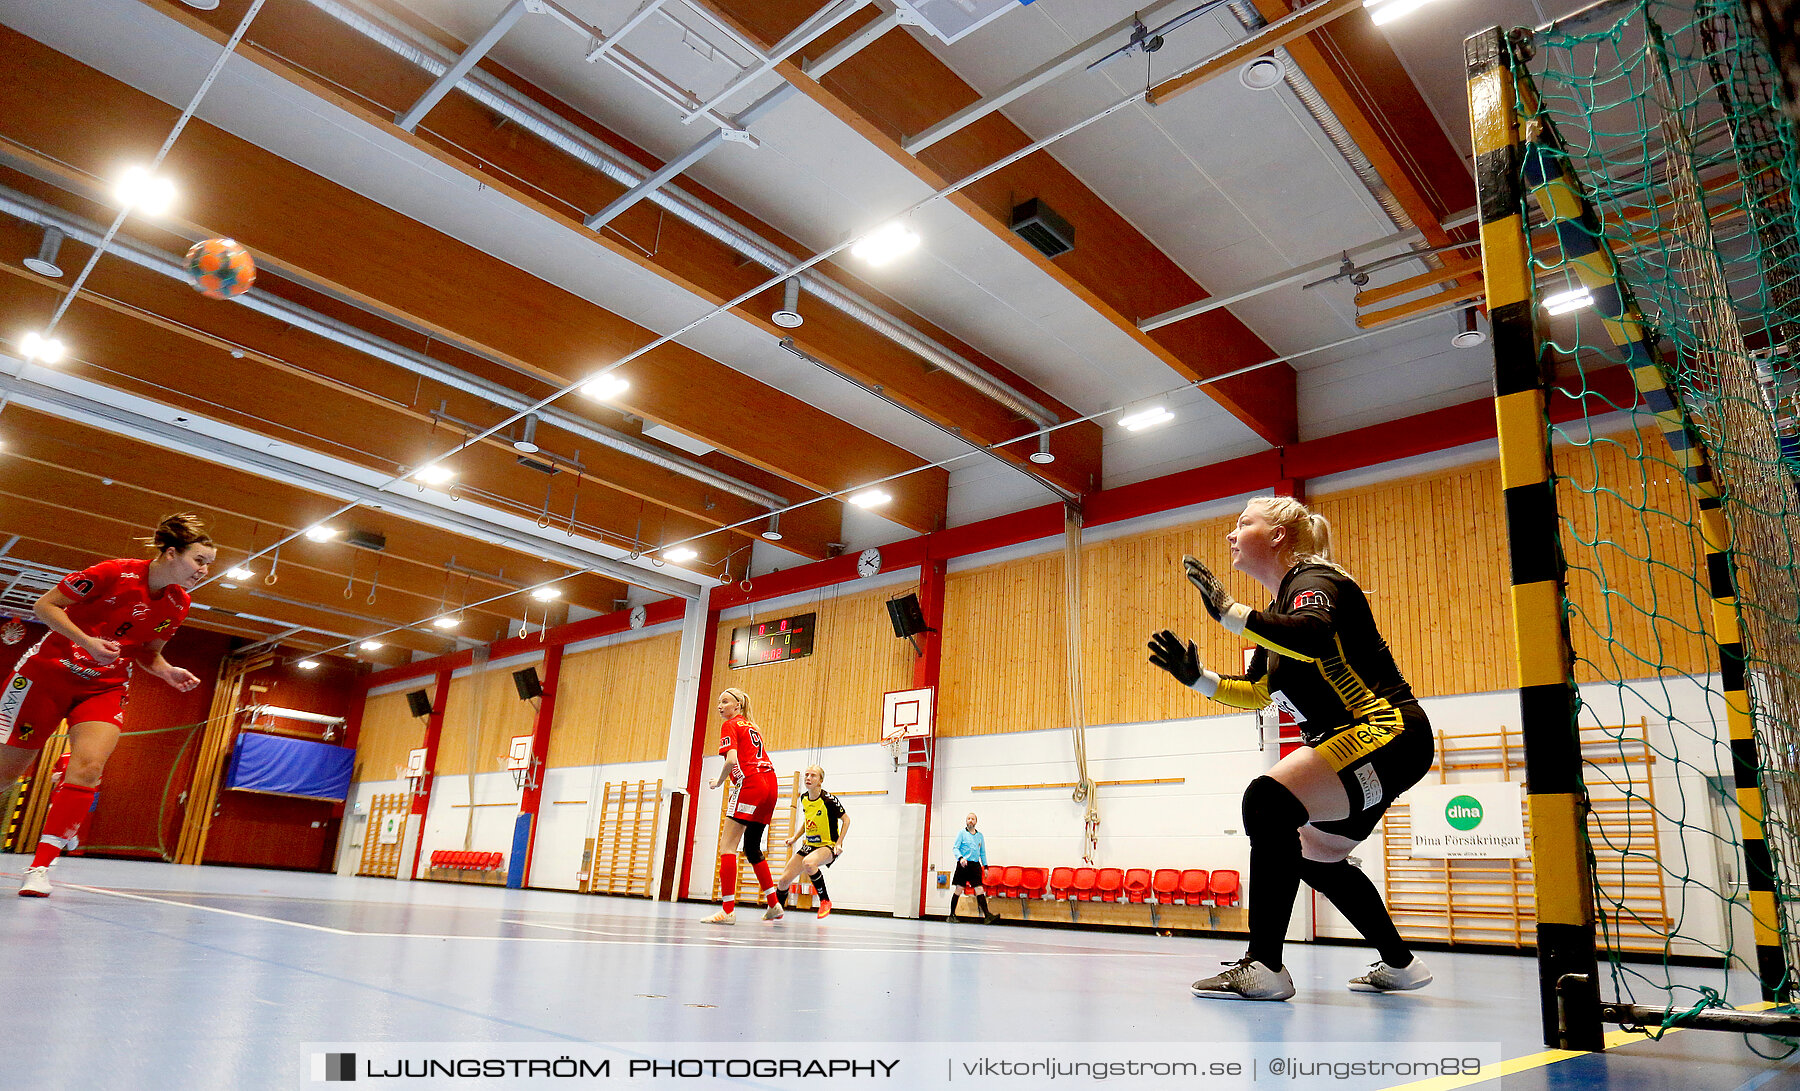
1612,1040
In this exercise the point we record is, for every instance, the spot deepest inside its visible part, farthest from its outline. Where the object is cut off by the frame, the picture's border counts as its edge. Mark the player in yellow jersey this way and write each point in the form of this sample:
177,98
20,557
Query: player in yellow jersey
819,840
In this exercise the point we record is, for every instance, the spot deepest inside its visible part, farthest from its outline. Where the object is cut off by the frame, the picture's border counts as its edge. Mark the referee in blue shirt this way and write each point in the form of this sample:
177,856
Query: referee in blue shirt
971,858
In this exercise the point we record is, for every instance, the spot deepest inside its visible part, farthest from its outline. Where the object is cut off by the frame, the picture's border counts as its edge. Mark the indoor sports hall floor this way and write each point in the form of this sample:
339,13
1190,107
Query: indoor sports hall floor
141,975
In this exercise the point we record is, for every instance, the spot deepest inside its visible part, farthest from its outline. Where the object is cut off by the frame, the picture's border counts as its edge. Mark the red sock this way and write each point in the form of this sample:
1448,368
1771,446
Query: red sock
69,806
767,879
728,879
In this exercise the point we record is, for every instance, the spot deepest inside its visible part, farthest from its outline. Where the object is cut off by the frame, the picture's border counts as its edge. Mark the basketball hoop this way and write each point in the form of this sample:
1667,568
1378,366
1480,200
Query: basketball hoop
520,761
906,716
413,772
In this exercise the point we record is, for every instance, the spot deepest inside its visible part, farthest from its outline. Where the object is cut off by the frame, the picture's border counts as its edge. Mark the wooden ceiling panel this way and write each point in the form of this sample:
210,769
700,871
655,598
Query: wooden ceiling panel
298,219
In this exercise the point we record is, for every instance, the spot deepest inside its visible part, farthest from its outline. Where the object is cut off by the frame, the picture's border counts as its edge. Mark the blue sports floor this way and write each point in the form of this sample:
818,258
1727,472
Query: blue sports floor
139,975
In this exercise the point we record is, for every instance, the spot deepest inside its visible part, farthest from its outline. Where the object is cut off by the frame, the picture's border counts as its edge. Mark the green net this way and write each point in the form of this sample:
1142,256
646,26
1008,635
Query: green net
1662,174
155,764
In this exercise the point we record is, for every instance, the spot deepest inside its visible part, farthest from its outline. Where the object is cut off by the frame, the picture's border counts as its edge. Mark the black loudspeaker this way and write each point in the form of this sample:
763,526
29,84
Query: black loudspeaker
906,614
526,682
418,703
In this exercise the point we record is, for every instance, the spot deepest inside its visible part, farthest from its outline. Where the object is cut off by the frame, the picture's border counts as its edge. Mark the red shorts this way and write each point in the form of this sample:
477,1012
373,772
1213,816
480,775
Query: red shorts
753,798
38,696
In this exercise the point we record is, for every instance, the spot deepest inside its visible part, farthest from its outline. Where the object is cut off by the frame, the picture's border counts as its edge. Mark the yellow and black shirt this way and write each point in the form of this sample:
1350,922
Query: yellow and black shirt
1319,656
822,819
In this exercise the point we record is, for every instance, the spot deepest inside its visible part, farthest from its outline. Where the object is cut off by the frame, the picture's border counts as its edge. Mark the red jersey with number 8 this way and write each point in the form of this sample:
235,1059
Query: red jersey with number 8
113,602
742,735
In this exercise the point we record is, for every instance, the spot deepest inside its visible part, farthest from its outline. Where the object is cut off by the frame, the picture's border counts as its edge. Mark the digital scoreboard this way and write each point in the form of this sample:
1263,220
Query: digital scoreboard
774,641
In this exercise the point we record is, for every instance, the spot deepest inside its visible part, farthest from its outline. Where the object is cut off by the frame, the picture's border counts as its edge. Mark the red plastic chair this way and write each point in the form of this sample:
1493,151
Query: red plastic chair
1137,884
1032,884
1012,883
1061,880
1193,887
1225,889
1082,889
990,878
1108,884
1165,883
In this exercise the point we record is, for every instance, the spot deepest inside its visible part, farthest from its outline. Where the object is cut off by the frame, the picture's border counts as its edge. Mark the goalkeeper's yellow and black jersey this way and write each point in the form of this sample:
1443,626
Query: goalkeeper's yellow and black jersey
1319,656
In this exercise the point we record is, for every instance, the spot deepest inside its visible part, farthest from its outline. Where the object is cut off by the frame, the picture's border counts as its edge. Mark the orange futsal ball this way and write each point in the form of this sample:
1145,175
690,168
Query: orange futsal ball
220,268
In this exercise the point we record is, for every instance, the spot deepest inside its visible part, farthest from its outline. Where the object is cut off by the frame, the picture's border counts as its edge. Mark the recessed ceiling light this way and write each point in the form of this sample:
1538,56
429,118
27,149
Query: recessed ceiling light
871,498
885,243
1147,418
433,475
1263,73
370,645
45,350
240,573
546,594
606,387
679,554
320,534
141,191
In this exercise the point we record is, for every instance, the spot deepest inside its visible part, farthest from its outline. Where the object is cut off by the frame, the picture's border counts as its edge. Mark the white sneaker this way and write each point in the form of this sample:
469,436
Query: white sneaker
1383,978
37,882
773,913
721,917
1246,980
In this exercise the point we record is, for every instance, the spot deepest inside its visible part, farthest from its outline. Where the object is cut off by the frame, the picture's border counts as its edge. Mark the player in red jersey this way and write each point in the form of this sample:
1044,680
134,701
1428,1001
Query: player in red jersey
748,808
104,622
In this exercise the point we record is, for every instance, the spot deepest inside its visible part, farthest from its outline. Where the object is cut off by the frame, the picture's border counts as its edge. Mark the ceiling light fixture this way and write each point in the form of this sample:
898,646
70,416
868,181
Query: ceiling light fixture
679,554
201,5
773,532
1469,335
1263,73
44,264
433,475
45,350
1563,302
141,191
240,573
1148,418
606,387
885,243
370,645
1043,456
320,534
527,442
871,498
1382,12
308,664
546,594
445,621
789,315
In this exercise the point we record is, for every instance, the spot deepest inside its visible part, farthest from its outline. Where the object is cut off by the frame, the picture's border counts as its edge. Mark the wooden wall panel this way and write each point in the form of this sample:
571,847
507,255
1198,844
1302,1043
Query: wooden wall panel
1430,551
833,696
1633,560
480,720
613,704
389,733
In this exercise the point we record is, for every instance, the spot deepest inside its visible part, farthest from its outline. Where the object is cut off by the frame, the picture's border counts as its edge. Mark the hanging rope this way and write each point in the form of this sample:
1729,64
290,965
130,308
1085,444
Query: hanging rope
1085,789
